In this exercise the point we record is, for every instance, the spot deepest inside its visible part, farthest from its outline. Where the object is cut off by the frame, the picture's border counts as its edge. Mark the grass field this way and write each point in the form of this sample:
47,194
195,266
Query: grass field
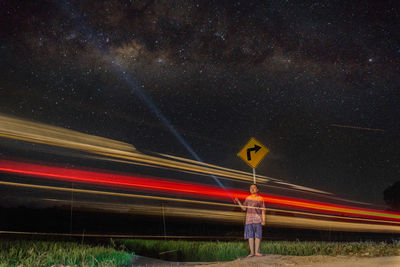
225,251
119,252
43,253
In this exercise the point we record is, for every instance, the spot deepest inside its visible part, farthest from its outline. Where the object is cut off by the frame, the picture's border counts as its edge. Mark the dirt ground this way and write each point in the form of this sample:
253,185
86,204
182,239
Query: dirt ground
303,261
278,260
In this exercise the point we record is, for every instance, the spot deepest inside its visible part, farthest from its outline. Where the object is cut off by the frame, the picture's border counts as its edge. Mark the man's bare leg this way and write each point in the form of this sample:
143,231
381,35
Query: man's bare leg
258,241
251,245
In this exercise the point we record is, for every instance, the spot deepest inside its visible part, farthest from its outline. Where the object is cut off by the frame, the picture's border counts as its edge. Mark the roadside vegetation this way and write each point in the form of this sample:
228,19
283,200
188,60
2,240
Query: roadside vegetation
120,252
44,253
226,251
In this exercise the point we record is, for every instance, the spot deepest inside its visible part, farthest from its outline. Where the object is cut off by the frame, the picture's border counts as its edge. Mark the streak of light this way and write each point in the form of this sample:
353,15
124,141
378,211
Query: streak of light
291,186
174,187
205,164
356,127
262,179
157,210
119,236
91,177
272,220
180,165
40,133
50,135
166,168
332,216
24,130
304,188
197,213
308,223
291,202
107,193
35,132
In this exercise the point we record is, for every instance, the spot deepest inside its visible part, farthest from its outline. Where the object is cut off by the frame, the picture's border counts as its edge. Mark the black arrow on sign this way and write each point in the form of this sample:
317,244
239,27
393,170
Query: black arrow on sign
255,148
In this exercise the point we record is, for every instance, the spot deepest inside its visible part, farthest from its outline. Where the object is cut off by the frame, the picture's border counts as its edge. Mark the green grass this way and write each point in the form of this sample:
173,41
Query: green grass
226,251
43,253
120,252
372,249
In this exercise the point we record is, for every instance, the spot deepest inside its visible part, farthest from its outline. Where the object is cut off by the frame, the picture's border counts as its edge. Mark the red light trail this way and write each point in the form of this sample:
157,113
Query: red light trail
100,178
156,185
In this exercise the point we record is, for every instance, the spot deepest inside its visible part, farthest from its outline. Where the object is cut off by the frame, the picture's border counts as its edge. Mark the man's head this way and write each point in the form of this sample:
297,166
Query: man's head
253,189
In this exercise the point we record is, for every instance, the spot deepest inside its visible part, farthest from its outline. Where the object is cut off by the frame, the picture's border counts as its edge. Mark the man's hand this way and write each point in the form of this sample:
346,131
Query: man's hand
240,204
263,223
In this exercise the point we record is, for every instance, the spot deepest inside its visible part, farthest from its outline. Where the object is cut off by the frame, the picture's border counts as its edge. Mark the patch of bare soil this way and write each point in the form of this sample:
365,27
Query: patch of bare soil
279,260
141,261
309,261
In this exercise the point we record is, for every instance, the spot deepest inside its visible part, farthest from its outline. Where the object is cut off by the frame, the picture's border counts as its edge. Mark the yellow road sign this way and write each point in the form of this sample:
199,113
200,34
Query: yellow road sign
253,152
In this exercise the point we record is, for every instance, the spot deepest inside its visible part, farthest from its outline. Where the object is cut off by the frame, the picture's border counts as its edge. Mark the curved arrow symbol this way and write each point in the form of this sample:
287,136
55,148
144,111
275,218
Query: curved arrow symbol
255,148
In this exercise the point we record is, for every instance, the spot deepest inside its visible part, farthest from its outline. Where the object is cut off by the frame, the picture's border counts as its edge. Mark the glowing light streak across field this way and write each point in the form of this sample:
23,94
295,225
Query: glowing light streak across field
174,187
44,134
41,133
197,213
170,210
117,194
118,236
24,130
308,223
237,217
293,187
118,151
157,161
75,175
331,207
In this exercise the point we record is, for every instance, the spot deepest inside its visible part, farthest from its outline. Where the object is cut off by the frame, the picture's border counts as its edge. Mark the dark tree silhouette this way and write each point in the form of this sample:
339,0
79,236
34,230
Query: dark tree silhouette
391,196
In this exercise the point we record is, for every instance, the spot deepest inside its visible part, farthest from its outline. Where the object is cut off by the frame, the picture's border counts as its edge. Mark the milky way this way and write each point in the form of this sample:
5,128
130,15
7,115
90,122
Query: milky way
285,72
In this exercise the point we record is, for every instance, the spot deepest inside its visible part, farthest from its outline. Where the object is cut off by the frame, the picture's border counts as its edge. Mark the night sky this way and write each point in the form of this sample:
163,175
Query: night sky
317,82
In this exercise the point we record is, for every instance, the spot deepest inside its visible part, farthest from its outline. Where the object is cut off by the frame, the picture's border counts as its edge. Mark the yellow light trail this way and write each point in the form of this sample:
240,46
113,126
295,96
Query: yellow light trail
308,223
233,216
116,236
24,130
44,134
177,187
113,193
158,210
219,215
40,133
317,206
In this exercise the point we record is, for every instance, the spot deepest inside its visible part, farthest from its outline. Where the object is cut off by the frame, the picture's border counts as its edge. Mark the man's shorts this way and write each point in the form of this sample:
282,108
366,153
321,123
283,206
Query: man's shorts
253,230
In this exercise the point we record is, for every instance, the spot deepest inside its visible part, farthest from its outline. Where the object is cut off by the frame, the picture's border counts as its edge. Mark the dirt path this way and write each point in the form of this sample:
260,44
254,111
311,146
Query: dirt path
310,261
278,260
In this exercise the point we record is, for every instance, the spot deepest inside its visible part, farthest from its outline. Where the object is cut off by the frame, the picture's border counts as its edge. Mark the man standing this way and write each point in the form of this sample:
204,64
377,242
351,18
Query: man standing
255,219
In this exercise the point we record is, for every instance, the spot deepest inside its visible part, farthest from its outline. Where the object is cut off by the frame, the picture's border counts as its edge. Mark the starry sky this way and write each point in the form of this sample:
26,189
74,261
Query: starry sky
317,82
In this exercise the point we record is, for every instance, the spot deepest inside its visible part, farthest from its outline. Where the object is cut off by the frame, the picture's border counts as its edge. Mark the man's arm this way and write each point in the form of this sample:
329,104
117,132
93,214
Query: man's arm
262,212
240,204
263,217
